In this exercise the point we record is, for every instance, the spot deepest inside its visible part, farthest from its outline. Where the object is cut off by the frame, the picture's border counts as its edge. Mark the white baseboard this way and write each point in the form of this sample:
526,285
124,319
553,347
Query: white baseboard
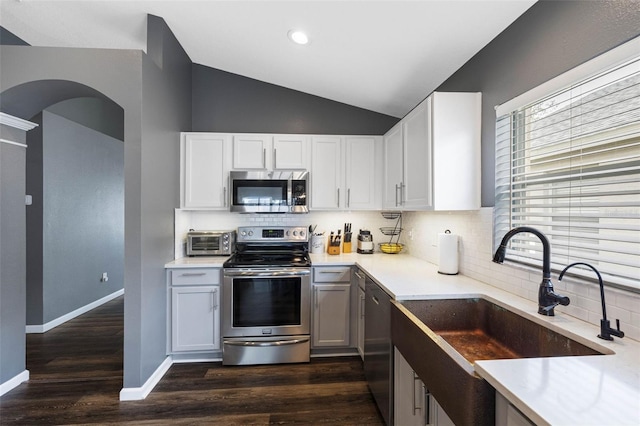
14,382
134,394
71,315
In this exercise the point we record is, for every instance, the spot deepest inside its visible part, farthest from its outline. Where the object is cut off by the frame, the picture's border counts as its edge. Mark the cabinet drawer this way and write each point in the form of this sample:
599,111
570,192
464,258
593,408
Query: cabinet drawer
337,274
195,276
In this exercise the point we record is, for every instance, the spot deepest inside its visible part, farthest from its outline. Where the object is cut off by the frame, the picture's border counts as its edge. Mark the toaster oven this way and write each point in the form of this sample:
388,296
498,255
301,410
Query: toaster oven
211,243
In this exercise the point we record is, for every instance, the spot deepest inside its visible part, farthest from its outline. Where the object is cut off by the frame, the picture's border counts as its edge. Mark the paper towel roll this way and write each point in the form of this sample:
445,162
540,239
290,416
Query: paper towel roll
448,253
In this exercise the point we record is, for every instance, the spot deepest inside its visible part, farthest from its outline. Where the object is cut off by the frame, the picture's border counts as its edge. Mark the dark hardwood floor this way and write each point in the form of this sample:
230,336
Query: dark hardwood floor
76,376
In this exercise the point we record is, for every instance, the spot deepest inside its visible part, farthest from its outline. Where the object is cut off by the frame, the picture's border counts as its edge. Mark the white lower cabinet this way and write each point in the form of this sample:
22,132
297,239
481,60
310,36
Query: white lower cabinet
331,309
194,296
413,404
508,415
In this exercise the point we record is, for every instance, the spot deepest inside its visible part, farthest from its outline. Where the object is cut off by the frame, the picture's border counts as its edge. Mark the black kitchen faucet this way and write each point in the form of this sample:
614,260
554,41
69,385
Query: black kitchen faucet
605,329
547,299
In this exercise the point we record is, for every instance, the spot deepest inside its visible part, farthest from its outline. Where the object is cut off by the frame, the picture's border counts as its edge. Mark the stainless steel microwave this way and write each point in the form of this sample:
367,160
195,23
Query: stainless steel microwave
269,192
211,243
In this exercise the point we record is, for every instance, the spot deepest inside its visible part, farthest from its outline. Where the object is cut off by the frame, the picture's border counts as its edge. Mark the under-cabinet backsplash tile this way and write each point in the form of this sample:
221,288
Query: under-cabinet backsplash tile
476,252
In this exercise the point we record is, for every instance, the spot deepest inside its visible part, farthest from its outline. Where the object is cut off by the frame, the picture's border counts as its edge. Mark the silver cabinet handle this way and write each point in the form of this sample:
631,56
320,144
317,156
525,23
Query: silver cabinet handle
413,393
263,343
264,158
214,300
402,193
348,197
338,197
193,274
375,299
275,162
358,275
362,306
331,272
397,187
224,196
315,296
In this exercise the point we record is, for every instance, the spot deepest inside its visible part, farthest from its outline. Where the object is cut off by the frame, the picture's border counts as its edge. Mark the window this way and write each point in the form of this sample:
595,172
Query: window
569,165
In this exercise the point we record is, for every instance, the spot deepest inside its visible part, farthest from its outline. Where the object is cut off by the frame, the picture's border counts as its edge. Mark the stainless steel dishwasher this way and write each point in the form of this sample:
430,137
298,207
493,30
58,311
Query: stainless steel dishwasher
378,354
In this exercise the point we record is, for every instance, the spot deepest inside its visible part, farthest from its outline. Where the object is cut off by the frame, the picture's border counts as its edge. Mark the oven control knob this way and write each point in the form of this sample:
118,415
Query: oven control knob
243,233
302,233
226,237
250,233
295,233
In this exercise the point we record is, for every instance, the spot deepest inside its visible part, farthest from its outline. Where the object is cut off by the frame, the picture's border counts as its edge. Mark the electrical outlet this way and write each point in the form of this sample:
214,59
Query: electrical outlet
104,277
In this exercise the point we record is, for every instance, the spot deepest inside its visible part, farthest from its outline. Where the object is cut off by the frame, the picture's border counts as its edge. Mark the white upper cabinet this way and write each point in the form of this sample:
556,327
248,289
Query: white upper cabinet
393,168
432,157
456,133
416,191
327,178
252,152
290,152
204,170
363,161
270,152
344,172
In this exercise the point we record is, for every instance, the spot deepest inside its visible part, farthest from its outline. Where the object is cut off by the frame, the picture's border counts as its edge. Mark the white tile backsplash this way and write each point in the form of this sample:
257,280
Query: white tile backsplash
325,221
476,234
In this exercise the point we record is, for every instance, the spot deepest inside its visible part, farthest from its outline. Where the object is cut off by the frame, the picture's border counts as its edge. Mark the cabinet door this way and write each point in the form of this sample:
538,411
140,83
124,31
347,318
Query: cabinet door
195,318
361,298
204,170
252,152
456,150
290,152
417,193
393,168
409,394
362,173
331,315
326,173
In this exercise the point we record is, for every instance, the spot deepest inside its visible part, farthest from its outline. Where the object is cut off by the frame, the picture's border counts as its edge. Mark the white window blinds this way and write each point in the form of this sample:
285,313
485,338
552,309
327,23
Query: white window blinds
569,165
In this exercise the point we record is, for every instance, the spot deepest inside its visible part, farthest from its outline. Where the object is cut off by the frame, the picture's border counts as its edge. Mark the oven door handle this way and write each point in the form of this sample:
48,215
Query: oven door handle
271,273
265,343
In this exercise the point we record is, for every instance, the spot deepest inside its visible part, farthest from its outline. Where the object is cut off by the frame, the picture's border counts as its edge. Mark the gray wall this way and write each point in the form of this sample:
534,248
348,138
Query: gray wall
226,102
166,105
117,74
95,113
12,255
550,38
80,206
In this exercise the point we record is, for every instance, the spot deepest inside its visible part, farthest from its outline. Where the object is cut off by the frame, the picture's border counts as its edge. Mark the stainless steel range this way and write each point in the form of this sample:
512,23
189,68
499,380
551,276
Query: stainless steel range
266,297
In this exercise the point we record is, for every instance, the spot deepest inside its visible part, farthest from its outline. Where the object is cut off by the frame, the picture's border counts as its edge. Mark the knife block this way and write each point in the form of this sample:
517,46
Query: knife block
333,250
346,247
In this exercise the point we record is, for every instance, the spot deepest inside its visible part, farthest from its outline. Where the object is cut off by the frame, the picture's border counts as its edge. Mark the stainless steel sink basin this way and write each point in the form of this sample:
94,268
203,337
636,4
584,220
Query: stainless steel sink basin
442,339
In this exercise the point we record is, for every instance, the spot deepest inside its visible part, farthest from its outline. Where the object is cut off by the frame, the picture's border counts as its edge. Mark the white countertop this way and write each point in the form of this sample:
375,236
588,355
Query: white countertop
598,390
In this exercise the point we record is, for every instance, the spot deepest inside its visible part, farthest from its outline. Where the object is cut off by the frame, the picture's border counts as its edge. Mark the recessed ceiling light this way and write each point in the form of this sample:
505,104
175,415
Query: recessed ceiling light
298,37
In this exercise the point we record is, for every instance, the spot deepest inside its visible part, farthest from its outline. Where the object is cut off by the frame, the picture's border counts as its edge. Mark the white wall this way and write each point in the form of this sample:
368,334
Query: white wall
476,234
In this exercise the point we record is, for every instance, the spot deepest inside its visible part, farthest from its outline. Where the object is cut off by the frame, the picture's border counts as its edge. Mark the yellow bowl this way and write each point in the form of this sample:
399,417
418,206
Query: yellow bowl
391,248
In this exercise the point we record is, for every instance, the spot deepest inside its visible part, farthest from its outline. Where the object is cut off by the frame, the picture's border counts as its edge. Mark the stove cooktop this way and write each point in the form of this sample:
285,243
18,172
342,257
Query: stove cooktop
264,260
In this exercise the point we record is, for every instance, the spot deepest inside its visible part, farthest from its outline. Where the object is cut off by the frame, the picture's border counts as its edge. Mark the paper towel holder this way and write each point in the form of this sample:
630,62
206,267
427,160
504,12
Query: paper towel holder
451,267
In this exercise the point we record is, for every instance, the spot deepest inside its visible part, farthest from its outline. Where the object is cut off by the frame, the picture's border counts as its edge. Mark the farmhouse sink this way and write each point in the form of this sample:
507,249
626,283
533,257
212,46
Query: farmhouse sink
442,339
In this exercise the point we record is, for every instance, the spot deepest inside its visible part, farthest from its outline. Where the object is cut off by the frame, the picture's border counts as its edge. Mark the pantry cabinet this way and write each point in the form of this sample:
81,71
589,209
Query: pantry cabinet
204,170
343,172
432,157
194,310
331,309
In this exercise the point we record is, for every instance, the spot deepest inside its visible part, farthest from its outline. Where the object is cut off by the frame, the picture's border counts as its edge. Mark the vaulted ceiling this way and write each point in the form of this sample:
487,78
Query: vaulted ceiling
385,56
